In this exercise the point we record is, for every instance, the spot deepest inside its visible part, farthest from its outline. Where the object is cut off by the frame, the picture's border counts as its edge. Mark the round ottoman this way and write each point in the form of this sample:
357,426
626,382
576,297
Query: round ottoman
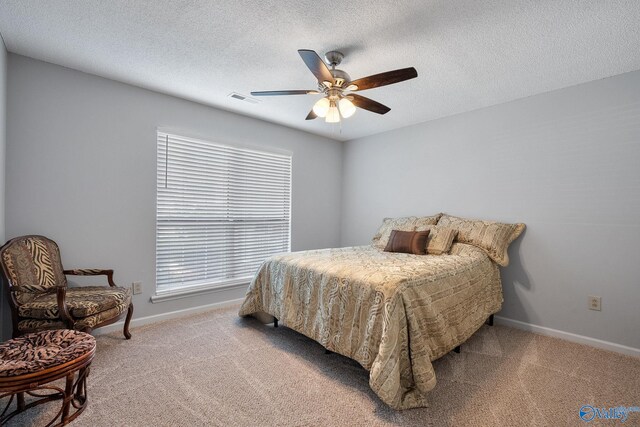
28,364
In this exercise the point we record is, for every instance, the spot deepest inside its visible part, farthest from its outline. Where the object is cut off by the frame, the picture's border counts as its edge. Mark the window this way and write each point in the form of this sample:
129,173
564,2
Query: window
221,210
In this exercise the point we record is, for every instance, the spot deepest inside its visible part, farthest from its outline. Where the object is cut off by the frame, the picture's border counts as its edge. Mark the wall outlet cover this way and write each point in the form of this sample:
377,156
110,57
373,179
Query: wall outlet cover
594,303
136,288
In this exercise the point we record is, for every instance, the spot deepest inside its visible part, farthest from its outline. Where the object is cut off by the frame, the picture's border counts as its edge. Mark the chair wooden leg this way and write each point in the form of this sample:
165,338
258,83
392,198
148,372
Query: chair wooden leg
127,334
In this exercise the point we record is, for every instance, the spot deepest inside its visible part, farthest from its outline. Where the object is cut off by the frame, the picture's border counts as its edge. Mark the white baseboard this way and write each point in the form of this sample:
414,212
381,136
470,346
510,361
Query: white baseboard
165,316
581,339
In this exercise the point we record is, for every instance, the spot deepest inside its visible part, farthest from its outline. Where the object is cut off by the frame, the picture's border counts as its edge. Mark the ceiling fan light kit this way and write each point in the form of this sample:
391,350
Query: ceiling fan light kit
321,107
333,115
347,109
336,84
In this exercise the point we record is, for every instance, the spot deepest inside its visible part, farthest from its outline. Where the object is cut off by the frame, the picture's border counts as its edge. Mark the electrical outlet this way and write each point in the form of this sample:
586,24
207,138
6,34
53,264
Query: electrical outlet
137,288
594,303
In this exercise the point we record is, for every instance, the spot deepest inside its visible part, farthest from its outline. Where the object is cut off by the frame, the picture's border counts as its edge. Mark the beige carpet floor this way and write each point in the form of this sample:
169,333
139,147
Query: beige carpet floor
215,369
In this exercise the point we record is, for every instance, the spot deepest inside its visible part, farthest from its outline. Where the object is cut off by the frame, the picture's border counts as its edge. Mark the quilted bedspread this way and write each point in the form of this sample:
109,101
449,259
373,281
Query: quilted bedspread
393,313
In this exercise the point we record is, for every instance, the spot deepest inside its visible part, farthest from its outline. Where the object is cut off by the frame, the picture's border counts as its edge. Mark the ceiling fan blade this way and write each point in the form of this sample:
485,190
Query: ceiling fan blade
383,79
316,65
311,115
368,104
285,92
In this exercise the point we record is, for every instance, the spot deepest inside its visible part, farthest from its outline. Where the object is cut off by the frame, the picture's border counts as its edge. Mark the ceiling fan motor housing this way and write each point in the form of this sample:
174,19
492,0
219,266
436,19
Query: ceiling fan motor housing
334,58
341,77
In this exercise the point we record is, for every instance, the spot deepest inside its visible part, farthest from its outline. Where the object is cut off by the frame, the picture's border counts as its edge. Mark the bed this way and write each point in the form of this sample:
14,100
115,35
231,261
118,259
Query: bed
394,313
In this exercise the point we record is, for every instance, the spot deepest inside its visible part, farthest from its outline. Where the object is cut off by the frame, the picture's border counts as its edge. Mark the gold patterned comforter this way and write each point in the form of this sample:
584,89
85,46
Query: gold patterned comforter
393,313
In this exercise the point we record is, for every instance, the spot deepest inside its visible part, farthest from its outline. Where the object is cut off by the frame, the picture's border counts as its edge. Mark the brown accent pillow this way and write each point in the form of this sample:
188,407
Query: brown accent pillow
408,242
493,237
409,223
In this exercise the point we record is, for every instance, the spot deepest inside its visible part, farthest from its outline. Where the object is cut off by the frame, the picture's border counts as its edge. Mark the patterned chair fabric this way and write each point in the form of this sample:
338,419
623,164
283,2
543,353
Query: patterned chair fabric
33,325
33,266
33,269
37,352
82,302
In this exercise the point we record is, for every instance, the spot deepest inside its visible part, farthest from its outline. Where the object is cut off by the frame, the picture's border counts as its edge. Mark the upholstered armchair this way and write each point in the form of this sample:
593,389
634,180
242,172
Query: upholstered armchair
40,298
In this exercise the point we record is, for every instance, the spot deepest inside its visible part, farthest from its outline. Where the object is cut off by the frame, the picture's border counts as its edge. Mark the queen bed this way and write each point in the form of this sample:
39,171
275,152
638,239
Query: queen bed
394,313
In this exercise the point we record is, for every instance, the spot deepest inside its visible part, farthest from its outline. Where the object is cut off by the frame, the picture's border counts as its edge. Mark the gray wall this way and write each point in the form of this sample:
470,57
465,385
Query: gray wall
566,163
82,170
5,318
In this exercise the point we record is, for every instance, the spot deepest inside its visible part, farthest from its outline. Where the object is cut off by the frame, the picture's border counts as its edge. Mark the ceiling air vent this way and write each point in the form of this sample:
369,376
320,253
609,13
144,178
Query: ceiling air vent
244,98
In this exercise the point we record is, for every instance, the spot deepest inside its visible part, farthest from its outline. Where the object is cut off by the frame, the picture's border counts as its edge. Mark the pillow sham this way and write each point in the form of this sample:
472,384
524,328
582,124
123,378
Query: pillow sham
408,242
493,237
409,223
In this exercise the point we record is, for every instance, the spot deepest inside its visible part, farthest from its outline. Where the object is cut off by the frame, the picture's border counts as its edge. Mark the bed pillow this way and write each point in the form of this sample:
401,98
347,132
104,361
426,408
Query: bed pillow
408,242
493,237
440,240
409,223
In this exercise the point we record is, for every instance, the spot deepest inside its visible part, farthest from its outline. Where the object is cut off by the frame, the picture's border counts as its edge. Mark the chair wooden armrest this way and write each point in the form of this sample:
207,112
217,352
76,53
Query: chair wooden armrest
65,316
92,272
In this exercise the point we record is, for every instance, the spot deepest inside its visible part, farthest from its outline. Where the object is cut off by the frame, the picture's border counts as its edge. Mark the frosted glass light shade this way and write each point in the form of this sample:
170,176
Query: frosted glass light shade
321,107
333,115
346,108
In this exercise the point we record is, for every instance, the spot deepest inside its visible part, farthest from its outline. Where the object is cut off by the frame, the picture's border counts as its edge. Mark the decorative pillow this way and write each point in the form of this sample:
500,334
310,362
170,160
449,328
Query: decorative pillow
409,223
408,242
440,239
493,237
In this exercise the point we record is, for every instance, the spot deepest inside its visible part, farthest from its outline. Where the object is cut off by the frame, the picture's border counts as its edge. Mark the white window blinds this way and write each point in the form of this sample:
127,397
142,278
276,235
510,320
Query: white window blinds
221,211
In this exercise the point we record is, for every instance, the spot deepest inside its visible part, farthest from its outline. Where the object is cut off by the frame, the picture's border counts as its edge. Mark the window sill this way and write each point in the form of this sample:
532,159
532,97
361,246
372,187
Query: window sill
196,291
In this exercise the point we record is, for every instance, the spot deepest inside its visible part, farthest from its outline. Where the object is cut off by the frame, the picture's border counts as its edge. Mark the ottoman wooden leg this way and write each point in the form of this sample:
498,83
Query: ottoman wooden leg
20,401
68,396
80,396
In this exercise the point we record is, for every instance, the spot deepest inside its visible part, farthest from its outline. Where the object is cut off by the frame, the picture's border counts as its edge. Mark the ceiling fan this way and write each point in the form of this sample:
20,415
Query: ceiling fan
337,87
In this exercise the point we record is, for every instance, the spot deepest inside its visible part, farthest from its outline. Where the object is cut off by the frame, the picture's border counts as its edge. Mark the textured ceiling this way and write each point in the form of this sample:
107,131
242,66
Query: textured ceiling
469,53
